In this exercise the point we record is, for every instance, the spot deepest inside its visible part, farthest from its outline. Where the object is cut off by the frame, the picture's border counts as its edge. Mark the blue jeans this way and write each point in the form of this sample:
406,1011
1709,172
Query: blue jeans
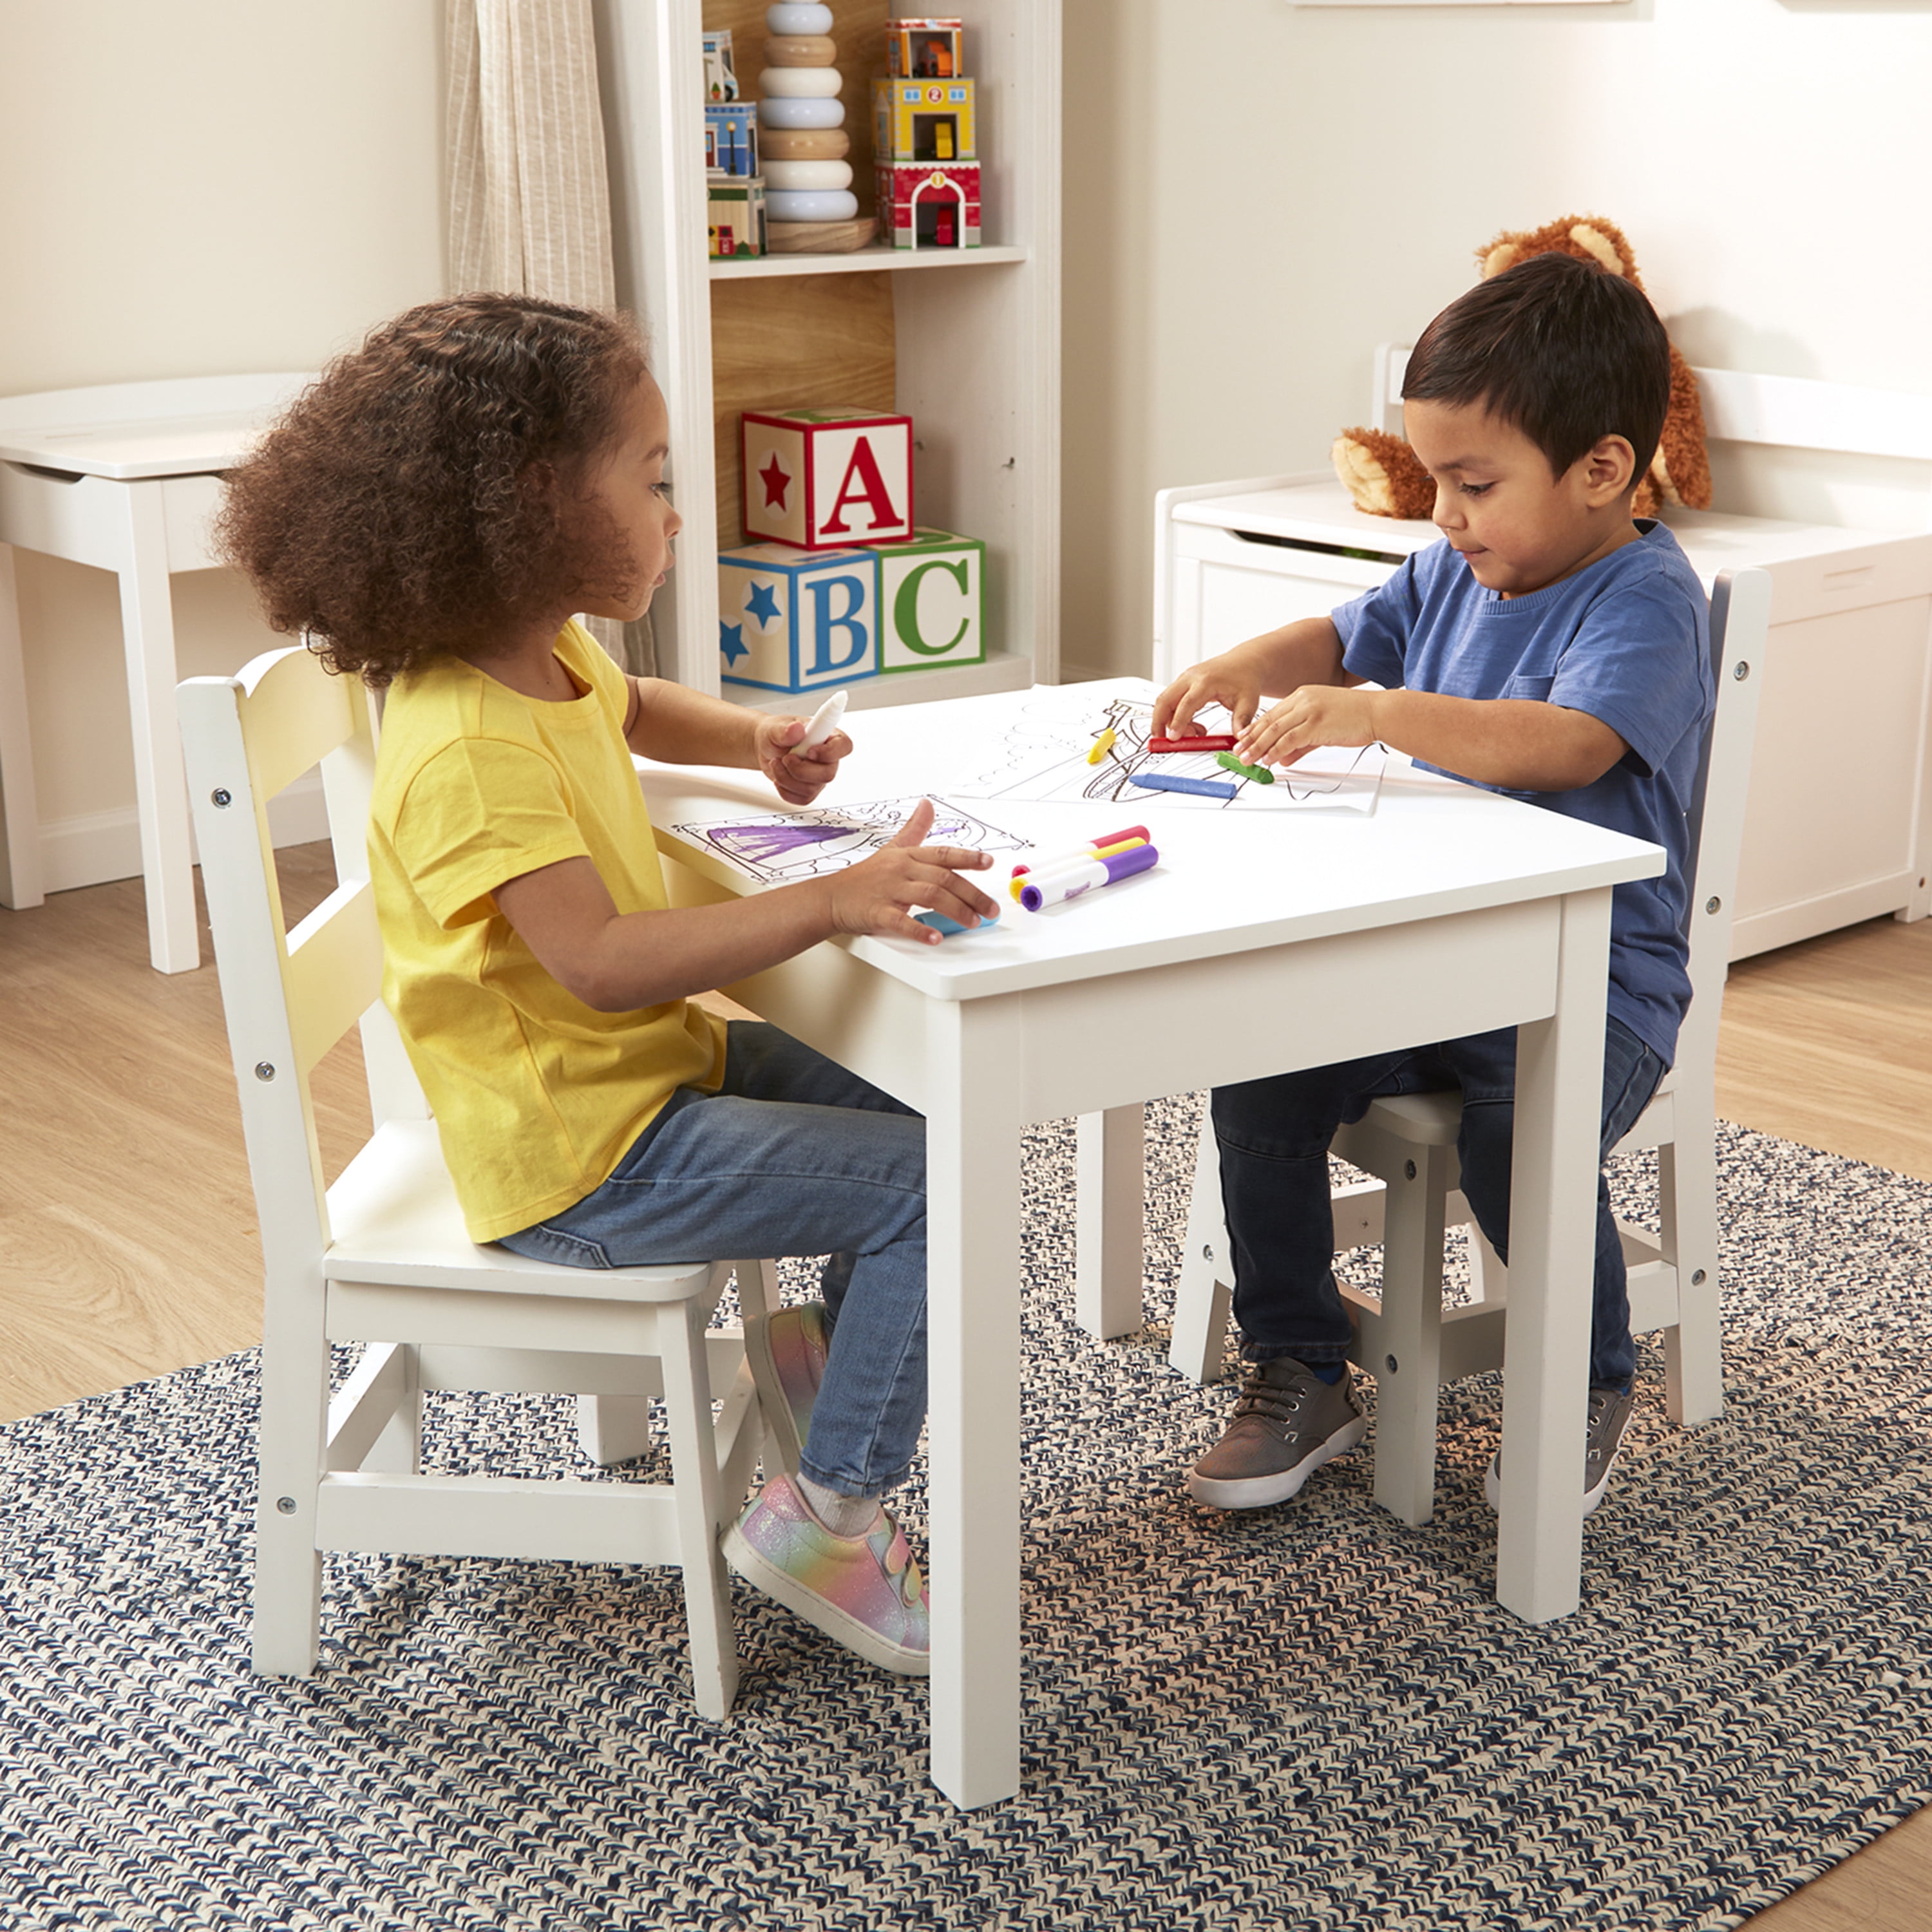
1274,1135
793,1156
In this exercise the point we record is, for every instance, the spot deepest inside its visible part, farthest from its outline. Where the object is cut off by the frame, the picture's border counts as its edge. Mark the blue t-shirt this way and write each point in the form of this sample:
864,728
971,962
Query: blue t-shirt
1627,640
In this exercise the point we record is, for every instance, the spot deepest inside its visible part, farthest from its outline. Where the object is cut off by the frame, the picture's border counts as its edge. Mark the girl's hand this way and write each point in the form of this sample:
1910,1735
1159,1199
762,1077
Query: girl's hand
1316,714
797,777
876,894
1222,680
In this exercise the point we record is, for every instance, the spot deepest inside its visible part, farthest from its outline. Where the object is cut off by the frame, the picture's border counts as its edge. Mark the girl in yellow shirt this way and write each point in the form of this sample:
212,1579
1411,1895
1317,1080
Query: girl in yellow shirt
431,515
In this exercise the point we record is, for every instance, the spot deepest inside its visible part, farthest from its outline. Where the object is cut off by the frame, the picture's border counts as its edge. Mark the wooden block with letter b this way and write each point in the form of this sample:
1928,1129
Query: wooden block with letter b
793,620
825,479
931,601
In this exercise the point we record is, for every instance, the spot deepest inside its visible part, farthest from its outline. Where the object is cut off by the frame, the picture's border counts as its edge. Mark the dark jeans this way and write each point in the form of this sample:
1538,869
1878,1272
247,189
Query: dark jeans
1274,1136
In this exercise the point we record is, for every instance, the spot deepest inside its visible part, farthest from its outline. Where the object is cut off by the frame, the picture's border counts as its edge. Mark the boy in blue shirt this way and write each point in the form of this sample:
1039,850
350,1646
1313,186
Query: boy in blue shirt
1552,648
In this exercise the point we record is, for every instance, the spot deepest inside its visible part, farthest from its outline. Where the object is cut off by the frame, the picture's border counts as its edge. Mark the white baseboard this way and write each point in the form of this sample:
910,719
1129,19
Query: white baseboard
92,847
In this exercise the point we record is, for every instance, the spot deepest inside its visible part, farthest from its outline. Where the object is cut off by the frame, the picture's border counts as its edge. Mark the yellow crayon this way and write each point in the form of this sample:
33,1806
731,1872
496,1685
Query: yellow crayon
1102,746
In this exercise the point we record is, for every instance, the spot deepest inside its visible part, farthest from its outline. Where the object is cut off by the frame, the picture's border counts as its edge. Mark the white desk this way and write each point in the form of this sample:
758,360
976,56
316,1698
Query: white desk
125,478
1262,942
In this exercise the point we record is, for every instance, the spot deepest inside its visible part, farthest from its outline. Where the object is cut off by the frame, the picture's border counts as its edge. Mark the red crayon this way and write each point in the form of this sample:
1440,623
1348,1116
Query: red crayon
1206,742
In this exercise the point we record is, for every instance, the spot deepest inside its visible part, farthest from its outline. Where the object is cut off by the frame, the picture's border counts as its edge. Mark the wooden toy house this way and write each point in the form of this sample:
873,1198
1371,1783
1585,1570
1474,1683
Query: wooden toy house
735,216
923,206
923,121
825,479
720,73
731,138
926,47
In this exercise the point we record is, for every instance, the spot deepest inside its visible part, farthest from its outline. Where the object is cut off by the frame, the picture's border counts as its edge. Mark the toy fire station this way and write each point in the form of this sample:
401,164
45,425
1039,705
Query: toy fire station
924,142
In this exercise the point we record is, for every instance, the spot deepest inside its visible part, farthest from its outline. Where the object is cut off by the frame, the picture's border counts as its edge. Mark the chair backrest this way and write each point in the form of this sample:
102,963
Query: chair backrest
1740,617
288,997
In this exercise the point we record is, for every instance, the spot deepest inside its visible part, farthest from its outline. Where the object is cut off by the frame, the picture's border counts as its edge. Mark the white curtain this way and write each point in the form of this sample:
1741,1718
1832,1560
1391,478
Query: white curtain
529,199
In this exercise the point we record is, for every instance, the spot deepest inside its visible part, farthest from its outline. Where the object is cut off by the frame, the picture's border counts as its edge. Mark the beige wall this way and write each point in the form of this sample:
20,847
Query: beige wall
193,188
1258,192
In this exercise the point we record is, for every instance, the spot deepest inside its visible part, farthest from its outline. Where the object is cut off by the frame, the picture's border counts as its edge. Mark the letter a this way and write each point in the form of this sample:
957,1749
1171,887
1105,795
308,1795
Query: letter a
872,491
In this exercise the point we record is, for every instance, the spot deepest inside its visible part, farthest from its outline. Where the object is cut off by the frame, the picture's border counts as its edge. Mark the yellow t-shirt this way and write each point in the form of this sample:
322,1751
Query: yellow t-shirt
536,1096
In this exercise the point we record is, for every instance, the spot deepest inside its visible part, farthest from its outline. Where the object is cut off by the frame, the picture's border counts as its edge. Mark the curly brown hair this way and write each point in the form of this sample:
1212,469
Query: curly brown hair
408,504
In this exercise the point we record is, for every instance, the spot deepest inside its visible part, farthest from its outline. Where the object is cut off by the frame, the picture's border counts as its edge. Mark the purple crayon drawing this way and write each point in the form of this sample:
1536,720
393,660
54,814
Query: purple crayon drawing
760,843
784,845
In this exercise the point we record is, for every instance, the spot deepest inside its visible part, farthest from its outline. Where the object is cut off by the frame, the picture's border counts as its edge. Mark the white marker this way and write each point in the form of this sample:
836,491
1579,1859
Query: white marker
824,722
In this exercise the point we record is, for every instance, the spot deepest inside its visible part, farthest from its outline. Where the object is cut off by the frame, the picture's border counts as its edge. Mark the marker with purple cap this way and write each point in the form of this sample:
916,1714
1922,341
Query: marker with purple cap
1059,883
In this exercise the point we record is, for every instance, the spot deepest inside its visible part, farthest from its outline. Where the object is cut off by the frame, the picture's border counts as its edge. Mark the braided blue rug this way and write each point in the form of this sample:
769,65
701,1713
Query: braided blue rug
1306,1717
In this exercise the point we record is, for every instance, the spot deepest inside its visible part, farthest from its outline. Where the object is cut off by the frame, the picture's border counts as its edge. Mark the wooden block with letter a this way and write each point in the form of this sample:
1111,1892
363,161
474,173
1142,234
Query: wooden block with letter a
825,479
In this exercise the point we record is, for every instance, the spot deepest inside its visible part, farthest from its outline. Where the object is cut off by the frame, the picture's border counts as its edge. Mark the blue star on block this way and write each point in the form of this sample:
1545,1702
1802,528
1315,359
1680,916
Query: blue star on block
731,642
763,604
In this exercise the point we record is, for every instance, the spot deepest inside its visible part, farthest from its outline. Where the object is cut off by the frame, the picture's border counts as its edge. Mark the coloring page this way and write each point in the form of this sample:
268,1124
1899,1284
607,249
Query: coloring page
776,846
1043,757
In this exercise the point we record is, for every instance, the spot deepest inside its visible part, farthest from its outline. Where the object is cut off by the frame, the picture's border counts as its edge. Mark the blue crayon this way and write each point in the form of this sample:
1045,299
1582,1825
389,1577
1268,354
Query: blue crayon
1205,787
947,927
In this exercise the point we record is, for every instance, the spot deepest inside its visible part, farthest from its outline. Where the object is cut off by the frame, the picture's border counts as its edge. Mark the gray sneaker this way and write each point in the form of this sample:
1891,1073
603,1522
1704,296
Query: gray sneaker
1610,1411
1287,1423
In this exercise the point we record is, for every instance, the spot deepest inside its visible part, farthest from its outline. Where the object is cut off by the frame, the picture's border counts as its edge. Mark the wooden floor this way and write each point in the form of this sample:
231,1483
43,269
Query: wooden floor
128,1238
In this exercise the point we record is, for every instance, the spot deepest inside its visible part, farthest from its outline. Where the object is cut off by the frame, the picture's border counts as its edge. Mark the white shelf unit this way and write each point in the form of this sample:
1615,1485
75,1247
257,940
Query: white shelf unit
977,330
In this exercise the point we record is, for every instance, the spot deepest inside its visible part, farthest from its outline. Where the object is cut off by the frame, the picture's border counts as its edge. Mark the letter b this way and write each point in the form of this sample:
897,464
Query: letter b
852,620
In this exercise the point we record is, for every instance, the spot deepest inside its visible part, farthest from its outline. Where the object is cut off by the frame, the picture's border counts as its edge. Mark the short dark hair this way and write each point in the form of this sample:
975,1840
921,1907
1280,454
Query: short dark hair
1562,350
390,514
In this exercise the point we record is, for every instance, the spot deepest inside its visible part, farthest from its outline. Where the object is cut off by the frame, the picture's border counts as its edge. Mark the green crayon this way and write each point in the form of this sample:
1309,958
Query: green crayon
1259,773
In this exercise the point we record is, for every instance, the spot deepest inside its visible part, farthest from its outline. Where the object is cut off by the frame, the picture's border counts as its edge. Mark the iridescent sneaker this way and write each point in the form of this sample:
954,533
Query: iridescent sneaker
1610,1411
1286,1424
790,1349
864,1591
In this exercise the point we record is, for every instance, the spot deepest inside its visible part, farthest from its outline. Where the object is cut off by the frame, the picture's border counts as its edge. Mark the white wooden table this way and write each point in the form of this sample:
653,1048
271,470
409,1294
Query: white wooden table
126,478
1262,942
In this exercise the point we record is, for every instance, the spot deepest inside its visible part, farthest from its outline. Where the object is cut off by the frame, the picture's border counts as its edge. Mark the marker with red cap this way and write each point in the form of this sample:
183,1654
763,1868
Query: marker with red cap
1069,882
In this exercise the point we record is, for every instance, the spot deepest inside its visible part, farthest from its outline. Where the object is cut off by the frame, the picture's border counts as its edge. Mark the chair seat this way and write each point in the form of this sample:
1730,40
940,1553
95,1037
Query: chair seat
1432,1120
1429,1120
395,1219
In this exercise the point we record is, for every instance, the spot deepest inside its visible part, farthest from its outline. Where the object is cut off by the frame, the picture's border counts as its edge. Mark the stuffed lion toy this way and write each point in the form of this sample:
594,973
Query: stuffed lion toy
1381,475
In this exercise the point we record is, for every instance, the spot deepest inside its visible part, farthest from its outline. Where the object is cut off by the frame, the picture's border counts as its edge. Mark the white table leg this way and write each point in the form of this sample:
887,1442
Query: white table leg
1559,1080
22,885
972,1221
161,792
1110,1193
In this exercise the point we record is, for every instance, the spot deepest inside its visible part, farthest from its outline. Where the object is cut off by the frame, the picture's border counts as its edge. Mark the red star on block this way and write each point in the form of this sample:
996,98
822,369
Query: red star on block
776,480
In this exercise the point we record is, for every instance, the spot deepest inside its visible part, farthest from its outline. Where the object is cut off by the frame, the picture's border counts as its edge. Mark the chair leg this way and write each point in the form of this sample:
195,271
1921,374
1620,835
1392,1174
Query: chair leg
1202,1294
286,1636
1694,1350
398,1450
758,1299
1489,1277
1408,1373
695,1495
613,1429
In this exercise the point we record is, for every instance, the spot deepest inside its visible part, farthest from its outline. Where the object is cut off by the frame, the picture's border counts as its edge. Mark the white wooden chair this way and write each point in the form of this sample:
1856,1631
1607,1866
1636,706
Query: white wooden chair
1407,1340
381,1258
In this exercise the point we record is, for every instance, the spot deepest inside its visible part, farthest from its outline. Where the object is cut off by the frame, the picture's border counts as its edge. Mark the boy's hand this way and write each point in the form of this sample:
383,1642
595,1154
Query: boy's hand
797,777
1316,714
876,894
1222,680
